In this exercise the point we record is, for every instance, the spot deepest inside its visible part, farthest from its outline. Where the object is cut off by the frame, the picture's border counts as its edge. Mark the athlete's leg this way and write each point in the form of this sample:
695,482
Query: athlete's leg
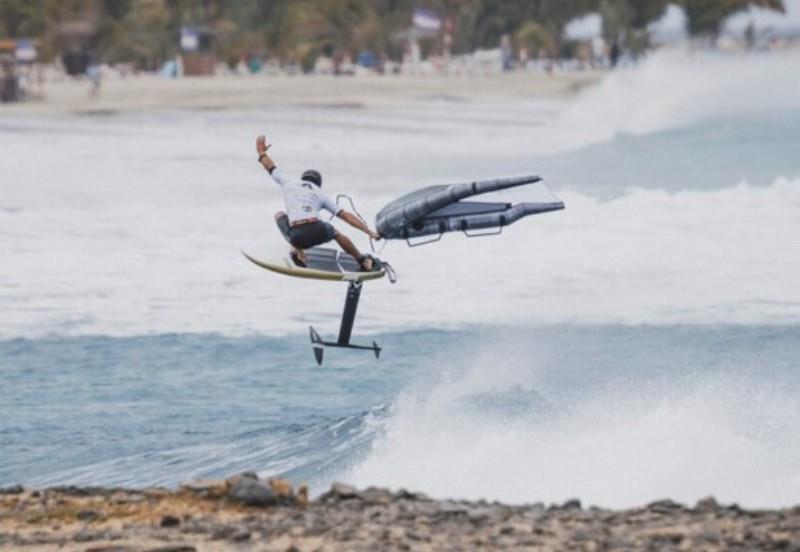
350,248
282,220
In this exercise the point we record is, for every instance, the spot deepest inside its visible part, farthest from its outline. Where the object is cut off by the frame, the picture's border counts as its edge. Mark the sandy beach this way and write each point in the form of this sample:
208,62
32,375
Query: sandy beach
153,92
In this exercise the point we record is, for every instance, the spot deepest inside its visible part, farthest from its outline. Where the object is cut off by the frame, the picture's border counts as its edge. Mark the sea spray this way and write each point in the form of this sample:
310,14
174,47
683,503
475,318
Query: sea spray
615,420
674,88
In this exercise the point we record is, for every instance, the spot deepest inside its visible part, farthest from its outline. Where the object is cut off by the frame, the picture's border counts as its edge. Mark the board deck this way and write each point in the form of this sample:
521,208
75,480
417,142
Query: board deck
323,264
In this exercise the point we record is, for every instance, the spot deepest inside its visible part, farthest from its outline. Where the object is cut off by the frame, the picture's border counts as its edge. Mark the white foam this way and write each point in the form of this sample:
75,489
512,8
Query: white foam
675,88
622,446
728,256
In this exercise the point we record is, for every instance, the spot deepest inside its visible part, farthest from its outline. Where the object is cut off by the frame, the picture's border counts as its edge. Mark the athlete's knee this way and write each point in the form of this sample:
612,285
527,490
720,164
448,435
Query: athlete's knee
279,215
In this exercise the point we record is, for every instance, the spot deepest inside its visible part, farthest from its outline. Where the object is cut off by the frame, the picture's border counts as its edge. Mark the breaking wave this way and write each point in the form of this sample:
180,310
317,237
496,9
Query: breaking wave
675,88
614,421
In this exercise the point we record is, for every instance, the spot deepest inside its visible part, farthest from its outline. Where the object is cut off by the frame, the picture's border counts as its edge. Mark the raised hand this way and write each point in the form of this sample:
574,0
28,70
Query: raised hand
261,144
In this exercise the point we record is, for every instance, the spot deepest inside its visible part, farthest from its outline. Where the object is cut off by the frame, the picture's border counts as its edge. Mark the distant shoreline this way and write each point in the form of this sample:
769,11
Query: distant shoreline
149,91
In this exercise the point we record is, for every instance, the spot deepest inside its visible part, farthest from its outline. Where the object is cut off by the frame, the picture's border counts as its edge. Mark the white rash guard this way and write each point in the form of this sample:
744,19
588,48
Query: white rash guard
303,199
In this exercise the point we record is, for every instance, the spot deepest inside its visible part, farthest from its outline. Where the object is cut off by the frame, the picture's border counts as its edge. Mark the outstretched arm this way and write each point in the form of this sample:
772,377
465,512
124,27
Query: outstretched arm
263,158
356,222
266,161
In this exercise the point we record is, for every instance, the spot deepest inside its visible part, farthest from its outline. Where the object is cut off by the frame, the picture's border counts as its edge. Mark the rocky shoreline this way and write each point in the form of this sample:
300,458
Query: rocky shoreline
245,513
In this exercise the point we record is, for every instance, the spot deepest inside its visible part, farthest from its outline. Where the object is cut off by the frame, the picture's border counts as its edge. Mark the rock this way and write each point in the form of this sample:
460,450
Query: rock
572,504
448,508
172,548
734,508
169,521
87,515
207,488
483,514
302,495
339,491
127,498
252,492
282,488
664,506
112,548
155,492
343,491
231,481
403,494
478,515
86,536
707,504
231,533
667,535
222,533
374,495
416,535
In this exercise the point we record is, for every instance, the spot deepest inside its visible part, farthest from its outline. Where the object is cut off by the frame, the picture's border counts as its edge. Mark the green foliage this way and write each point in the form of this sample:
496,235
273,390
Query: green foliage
300,30
140,34
536,38
21,18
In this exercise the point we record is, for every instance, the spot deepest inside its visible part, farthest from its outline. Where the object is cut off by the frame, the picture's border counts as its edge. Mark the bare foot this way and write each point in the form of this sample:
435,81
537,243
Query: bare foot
299,256
366,263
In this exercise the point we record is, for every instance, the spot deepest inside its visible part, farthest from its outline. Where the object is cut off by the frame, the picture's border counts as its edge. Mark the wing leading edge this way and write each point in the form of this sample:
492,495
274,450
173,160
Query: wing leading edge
436,210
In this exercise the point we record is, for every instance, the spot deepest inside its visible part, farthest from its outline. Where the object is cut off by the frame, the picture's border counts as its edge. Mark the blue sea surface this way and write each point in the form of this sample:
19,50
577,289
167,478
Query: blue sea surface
162,409
182,405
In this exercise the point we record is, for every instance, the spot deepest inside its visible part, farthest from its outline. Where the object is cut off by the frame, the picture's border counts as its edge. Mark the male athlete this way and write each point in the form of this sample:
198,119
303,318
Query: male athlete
300,224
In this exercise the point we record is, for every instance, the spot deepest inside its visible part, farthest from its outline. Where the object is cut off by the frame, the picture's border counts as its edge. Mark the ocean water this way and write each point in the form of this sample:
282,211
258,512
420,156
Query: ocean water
641,344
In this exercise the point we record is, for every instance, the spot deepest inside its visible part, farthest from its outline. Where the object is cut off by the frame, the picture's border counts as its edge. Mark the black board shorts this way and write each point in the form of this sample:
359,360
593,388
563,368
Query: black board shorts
306,236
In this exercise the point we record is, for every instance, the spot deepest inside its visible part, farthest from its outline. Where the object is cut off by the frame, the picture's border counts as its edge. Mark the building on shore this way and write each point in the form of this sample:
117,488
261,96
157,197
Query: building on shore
198,52
18,70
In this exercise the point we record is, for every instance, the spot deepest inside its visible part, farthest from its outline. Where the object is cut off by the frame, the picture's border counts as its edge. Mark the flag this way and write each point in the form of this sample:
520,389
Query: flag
25,51
190,39
426,20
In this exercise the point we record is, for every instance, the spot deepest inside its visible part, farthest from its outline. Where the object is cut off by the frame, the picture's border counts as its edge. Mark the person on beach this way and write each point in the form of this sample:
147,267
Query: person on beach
300,224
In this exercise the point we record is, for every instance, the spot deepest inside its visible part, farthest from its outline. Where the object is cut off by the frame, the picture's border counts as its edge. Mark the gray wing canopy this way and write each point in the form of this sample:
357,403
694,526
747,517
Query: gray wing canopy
435,210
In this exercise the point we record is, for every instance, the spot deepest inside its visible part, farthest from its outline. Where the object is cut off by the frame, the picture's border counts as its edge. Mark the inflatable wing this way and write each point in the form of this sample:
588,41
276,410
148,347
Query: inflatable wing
438,209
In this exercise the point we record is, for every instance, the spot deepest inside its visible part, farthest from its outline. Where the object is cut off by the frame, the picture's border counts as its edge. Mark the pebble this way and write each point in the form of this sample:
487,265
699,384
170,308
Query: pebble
240,535
87,515
169,521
